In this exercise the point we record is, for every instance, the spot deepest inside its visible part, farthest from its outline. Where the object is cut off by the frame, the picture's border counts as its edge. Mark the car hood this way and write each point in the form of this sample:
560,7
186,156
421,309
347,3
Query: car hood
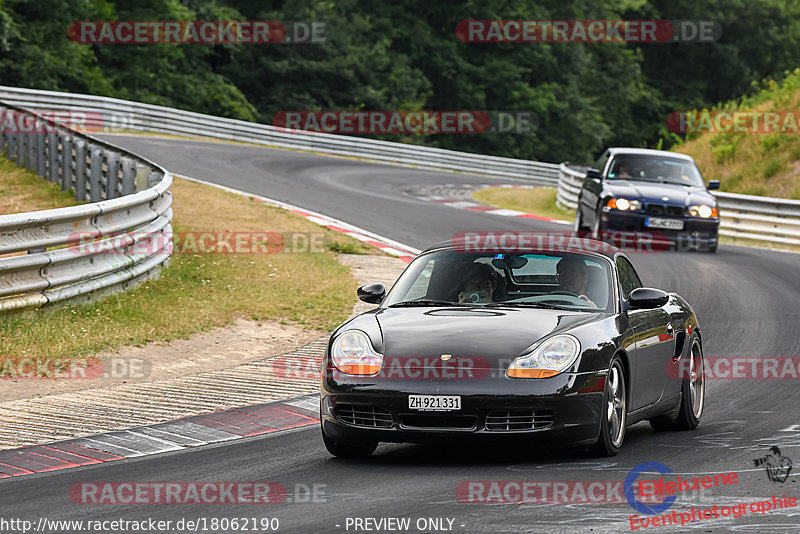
490,337
650,191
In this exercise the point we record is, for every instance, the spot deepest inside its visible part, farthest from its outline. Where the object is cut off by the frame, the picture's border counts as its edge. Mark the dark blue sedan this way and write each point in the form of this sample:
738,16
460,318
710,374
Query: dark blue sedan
651,192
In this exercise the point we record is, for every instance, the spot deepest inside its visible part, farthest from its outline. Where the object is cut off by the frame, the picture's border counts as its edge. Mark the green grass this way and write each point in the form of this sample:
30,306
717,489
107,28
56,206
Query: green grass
22,190
753,163
539,201
198,291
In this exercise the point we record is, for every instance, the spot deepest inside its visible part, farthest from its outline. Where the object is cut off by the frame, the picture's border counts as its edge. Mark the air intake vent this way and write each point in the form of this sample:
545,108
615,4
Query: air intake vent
506,420
664,209
456,422
363,415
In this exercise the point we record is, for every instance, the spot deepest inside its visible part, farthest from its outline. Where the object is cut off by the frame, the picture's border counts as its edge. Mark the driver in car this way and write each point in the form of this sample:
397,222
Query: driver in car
573,275
480,286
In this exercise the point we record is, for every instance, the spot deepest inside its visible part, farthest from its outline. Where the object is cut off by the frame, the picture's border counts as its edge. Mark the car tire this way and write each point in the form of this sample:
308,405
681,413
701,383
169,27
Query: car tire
614,414
713,248
579,226
349,449
693,393
597,229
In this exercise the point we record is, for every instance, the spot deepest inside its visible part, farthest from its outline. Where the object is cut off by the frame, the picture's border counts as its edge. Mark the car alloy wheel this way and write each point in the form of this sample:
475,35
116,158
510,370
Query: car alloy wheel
615,406
613,413
697,383
686,415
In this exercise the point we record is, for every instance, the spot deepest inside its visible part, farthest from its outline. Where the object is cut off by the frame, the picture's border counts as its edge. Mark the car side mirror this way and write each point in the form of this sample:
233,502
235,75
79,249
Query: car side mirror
647,297
713,184
372,293
594,174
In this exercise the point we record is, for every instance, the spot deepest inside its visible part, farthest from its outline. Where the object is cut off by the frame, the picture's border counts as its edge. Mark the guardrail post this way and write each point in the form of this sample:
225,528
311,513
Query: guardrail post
112,178
67,169
128,176
3,136
22,150
12,140
41,156
52,153
95,173
142,173
81,184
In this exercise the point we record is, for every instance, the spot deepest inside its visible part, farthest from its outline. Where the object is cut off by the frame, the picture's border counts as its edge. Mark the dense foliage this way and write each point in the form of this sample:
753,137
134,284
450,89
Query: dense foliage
404,54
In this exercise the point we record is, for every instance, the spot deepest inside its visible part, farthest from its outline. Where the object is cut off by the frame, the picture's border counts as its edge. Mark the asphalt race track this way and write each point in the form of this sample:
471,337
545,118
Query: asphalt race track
746,300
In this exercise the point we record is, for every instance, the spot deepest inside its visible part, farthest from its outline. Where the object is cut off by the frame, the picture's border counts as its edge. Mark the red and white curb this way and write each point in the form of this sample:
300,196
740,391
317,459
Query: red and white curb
176,435
461,190
390,246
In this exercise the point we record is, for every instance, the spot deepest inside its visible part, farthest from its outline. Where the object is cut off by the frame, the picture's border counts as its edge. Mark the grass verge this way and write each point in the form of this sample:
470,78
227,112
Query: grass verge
197,291
538,201
22,190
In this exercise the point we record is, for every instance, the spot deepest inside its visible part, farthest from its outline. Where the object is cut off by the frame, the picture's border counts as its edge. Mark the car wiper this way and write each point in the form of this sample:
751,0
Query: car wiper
531,305
426,302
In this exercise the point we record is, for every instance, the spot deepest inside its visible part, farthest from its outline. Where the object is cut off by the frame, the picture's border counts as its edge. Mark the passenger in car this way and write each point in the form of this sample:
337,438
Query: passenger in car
480,286
573,275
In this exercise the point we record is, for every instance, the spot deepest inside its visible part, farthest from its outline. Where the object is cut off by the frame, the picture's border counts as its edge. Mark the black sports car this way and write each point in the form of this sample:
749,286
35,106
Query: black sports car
651,192
512,343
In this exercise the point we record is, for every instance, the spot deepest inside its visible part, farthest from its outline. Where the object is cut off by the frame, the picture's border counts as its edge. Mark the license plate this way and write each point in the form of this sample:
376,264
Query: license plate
669,224
434,403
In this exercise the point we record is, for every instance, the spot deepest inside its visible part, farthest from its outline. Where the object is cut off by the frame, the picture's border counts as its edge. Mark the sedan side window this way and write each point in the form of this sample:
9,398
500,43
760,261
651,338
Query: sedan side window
600,164
628,279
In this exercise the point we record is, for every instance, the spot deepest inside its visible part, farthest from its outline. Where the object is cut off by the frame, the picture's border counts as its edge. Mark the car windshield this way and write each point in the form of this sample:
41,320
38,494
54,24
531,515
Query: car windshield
554,280
655,169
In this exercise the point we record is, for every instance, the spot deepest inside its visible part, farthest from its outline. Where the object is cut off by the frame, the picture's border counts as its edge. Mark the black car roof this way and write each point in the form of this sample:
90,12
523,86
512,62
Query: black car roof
584,246
647,152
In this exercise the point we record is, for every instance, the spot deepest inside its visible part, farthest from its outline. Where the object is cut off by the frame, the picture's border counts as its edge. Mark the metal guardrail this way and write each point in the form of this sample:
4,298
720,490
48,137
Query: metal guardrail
104,113
118,240
775,220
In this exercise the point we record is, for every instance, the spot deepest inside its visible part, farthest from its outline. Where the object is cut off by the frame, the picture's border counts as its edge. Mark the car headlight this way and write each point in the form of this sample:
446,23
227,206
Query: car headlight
623,204
551,357
352,354
703,211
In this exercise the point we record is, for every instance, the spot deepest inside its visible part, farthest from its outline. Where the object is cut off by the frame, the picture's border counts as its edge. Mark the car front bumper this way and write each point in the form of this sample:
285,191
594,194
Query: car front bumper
565,407
697,234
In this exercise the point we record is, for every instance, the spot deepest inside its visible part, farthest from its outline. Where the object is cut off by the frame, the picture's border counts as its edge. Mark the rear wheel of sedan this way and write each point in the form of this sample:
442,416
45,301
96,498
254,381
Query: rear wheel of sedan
693,397
614,413
349,449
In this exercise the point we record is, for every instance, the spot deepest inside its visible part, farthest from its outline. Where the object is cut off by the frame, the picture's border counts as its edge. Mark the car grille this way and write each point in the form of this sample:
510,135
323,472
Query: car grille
664,209
460,422
505,420
364,415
